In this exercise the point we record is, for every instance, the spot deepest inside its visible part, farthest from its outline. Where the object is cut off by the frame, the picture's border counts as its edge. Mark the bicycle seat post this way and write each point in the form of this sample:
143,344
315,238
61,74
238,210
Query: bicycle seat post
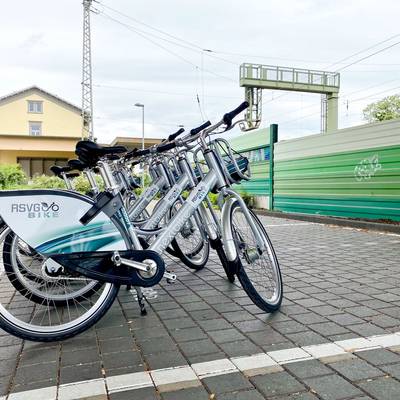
107,176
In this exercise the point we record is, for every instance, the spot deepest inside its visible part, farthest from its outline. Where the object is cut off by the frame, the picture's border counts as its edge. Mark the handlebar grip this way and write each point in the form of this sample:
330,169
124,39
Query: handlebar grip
197,130
175,135
228,117
141,153
165,147
132,153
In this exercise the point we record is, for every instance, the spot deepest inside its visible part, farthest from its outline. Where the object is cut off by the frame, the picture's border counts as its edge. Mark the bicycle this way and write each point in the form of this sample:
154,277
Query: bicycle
72,240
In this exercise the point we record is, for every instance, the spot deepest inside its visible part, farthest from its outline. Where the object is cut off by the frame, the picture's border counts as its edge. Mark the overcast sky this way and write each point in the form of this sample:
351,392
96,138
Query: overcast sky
41,44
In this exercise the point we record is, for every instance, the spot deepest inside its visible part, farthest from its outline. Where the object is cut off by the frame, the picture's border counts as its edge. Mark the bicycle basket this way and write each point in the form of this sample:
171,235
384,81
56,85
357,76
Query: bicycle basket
201,168
235,166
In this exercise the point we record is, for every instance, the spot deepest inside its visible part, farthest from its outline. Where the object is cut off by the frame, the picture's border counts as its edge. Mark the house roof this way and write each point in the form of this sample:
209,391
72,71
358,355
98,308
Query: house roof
131,142
38,89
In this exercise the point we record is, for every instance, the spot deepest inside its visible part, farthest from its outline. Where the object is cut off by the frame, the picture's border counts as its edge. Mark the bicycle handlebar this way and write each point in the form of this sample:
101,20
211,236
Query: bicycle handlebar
168,144
165,147
176,134
228,117
200,128
140,153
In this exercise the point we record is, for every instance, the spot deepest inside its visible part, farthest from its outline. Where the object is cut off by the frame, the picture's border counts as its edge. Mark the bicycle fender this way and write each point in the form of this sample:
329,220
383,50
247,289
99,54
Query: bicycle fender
227,238
49,222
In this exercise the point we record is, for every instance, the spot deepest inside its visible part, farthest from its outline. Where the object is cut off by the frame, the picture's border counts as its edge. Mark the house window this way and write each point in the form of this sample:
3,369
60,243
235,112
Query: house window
35,128
38,166
35,107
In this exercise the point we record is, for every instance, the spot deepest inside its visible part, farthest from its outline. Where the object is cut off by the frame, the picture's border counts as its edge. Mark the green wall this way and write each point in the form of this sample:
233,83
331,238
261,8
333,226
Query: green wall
351,173
258,185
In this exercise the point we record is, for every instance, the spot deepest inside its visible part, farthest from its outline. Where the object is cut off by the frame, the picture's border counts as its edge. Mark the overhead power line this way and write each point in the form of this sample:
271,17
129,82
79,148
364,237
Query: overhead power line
235,54
369,56
356,61
363,51
345,96
194,47
175,42
145,36
149,26
106,86
350,102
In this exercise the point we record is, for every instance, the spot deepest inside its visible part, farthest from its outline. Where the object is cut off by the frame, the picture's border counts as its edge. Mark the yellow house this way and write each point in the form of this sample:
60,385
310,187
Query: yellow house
37,130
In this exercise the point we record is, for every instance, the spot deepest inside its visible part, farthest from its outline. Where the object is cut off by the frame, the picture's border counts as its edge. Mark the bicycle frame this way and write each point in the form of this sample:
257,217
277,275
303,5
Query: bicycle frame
214,177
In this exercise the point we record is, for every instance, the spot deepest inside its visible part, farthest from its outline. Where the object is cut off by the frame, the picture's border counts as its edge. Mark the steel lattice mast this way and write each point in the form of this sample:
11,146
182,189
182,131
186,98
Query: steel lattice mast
87,91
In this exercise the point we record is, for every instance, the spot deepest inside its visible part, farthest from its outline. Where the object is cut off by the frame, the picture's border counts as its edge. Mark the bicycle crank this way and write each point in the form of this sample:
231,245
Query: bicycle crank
144,268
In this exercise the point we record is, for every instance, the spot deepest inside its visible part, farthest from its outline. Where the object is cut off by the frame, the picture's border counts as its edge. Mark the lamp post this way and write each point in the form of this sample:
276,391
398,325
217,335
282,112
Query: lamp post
140,105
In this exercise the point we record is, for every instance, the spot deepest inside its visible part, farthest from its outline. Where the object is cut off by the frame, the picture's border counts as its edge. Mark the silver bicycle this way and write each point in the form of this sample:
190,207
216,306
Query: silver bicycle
96,240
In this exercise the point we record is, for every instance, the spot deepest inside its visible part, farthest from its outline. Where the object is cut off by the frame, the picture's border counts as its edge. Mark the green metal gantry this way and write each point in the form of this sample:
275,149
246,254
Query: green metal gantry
255,77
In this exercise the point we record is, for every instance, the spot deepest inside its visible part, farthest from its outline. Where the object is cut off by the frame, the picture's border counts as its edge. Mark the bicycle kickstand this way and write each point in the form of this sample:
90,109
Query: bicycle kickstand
141,300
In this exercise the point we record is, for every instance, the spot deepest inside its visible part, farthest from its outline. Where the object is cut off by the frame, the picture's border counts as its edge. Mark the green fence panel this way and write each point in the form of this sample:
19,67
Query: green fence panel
255,146
358,183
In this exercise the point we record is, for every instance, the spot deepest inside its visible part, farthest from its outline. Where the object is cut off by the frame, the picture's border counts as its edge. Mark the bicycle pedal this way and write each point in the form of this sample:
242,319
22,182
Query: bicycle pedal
170,277
143,312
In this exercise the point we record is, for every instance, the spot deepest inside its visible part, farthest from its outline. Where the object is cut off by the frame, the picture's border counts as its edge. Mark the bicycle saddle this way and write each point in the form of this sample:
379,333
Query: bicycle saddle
96,150
57,170
77,164
90,152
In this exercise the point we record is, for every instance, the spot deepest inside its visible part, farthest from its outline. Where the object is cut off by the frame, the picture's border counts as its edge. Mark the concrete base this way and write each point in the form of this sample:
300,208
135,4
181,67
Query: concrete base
262,202
352,223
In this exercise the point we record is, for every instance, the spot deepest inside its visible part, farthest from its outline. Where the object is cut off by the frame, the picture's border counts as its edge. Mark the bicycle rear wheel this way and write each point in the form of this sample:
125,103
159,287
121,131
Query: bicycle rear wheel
23,266
52,319
189,244
258,272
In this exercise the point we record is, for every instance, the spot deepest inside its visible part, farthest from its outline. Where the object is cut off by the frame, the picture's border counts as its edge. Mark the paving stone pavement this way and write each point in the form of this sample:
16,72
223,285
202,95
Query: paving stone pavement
339,284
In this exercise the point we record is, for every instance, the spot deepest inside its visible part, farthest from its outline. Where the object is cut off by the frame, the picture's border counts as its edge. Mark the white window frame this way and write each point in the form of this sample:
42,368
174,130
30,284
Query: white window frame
37,107
36,132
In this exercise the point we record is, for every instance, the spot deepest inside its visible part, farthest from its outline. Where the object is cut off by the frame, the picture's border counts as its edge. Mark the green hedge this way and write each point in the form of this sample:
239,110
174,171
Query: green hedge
46,182
80,183
11,176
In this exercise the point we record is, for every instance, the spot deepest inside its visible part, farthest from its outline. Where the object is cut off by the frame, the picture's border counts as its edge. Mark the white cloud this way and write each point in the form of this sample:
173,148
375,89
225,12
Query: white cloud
41,44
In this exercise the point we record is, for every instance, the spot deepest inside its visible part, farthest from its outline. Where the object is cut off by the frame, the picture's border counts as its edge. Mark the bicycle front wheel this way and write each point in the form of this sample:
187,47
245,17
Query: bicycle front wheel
258,272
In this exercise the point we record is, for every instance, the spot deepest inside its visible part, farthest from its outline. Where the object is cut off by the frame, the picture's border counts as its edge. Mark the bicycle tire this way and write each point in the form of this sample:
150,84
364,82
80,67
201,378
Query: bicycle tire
243,276
191,258
15,278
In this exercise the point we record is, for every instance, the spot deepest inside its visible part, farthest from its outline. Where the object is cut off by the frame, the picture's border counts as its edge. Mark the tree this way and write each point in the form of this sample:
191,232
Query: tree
383,110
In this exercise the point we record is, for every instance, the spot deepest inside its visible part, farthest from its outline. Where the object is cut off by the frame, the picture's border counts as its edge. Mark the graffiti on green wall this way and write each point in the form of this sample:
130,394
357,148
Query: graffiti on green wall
367,168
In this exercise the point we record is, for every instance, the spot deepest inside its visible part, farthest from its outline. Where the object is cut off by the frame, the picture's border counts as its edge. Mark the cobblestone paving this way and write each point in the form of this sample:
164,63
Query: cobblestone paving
339,284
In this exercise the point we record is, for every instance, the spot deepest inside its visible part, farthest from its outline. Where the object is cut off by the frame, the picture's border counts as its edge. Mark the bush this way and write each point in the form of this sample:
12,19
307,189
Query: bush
213,198
81,184
47,182
11,175
248,199
139,191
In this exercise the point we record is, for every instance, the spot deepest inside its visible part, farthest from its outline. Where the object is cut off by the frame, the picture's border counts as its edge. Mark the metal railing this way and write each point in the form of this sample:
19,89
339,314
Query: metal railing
289,75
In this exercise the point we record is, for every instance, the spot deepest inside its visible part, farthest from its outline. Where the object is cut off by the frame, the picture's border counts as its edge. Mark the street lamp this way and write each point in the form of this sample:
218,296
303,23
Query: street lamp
140,105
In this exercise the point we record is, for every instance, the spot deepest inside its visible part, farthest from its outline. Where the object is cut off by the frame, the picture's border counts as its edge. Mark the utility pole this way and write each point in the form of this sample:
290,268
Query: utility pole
87,89
140,105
